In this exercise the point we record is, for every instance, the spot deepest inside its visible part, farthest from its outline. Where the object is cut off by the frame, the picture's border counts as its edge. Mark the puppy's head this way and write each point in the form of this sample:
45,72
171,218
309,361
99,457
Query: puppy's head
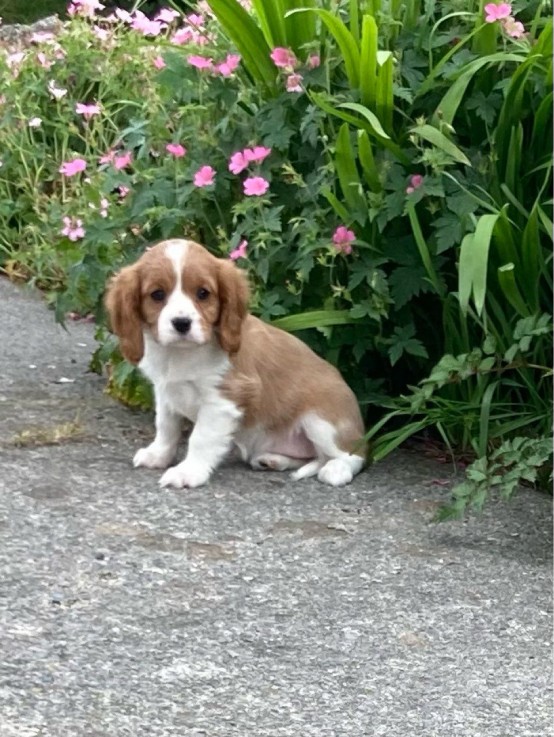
182,295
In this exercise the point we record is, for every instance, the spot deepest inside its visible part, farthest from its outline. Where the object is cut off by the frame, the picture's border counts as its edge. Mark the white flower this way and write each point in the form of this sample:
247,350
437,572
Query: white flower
55,91
35,122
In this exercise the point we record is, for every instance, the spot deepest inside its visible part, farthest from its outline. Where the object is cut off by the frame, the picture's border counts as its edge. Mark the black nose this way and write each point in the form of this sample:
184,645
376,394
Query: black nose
181,324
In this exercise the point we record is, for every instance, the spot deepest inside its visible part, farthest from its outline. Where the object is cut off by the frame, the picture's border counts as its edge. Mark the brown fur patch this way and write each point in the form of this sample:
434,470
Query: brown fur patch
276,379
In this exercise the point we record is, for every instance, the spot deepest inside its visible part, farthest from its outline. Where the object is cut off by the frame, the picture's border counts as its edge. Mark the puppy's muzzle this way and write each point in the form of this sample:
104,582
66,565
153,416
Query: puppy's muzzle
182,324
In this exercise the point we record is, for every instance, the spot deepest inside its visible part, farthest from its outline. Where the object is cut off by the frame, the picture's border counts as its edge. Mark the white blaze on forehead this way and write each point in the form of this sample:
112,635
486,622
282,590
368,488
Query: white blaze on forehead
176,251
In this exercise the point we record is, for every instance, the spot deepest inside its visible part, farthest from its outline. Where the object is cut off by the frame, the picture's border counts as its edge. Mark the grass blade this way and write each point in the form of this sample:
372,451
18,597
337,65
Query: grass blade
473,266
345,40
511,291
314,319
347,172
368,62
248,39
438,139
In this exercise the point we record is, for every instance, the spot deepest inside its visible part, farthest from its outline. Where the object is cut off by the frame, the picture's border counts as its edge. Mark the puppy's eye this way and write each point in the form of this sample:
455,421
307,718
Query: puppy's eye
158,295
202,294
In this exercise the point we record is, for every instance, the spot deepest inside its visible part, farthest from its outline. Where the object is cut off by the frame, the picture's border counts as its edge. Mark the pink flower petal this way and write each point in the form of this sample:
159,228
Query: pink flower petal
255,186
239,251
204,177
258,153
175,149
238,162
70,168
283,58
494,11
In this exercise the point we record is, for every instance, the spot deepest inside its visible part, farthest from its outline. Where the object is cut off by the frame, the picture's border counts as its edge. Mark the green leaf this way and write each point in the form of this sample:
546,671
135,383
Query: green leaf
368,61
474,258
407,282
438,139
511,291
314,319
365,155
248,39
271,15
371,118
345,40
451,101
347,172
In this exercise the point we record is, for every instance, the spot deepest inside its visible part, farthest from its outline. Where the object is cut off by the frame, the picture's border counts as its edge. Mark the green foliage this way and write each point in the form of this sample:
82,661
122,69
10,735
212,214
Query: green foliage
419,127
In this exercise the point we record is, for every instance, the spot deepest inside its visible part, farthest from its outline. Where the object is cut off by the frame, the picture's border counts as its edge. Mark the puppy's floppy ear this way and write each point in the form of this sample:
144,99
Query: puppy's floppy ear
122,301
233,298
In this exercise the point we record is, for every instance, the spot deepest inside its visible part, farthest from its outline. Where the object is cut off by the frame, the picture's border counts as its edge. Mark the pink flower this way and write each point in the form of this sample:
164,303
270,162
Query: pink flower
283,58
494,11
183,36
167,15
200,62
204,177
44,61
158,62
238,162
416,180
104,204
258,153
70,168
144,25
176,149
123,191
87,8
123,160
42,37
15,59
227,67
102,34
255,186
239,251
314,60
35,122
73,228
123,15
107,158
195,19
293,83
342,238
514,28
87,111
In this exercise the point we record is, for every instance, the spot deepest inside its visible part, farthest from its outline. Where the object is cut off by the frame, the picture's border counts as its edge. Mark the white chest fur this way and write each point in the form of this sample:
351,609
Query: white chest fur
185,377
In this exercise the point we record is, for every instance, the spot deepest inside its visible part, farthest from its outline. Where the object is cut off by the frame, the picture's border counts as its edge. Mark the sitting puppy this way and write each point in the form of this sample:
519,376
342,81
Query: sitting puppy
181,314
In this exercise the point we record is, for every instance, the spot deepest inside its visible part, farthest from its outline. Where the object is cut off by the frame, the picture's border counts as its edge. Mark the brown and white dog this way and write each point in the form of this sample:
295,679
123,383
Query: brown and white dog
181,314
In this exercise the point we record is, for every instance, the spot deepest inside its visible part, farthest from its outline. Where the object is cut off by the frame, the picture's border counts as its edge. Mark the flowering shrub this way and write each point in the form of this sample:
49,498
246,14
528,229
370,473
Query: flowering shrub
375,174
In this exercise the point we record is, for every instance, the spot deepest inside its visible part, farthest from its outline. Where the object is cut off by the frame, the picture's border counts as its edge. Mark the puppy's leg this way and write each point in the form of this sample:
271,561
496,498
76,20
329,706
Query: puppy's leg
209,442
274,462
337,467
161,451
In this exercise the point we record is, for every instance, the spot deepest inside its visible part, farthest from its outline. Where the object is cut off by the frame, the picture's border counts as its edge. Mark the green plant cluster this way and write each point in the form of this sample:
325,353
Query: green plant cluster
419,128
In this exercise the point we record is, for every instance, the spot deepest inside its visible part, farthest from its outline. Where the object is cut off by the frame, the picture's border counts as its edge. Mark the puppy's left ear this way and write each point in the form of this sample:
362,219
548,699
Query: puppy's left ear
233,298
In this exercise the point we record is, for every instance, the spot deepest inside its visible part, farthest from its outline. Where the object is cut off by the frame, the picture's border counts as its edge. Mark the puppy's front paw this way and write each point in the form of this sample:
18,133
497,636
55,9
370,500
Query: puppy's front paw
185,474
153,457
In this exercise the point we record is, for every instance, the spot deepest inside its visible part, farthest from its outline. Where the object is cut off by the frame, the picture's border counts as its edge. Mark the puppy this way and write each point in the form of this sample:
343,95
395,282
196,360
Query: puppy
181,315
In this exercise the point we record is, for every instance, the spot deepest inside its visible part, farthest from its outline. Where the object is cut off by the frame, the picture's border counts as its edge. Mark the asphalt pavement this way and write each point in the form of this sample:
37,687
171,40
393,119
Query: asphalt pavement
254,606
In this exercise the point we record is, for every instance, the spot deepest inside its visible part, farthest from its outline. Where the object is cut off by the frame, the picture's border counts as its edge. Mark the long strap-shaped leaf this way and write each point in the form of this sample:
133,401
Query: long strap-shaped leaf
345,40
248,39
438,139
314,319
474,261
